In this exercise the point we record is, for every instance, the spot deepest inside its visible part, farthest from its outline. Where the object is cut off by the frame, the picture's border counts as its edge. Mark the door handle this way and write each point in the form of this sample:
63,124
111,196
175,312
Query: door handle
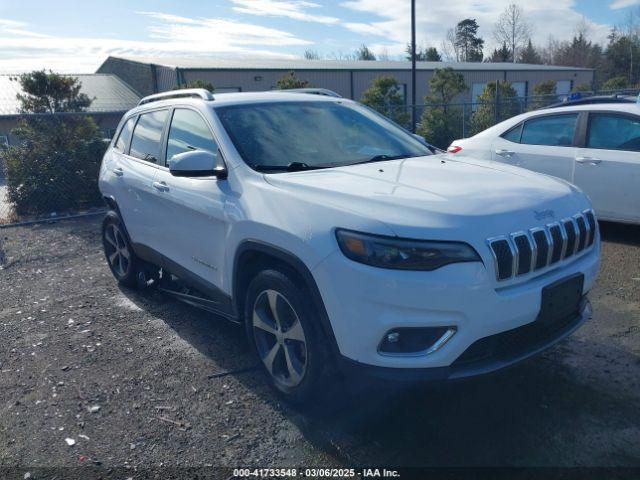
161,186
505,153
118,172
588,160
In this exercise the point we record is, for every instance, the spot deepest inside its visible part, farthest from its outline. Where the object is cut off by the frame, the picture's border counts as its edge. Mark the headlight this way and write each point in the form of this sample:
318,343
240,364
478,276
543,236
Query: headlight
402,254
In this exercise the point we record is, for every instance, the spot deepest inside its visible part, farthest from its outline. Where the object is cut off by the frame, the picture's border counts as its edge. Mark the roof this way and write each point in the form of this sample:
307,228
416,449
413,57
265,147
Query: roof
109,92
595,99
205,63
633,108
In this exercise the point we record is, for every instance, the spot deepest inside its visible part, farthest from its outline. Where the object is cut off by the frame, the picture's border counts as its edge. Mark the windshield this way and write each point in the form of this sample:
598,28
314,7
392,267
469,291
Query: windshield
319,134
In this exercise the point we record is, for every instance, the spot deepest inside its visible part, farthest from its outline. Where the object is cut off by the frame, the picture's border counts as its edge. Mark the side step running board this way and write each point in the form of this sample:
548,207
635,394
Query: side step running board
199,302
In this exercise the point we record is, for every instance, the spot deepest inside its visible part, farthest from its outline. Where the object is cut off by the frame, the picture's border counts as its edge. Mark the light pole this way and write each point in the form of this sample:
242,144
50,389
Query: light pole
413,66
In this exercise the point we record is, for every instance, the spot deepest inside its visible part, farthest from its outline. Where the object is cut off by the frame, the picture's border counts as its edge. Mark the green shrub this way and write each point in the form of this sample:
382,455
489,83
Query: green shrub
289,81
615,83
441,123
384,95
55,165
544,95
485,115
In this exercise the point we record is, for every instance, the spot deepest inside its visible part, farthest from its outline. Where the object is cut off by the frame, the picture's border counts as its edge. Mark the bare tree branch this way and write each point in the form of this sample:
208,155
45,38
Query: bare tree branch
513,30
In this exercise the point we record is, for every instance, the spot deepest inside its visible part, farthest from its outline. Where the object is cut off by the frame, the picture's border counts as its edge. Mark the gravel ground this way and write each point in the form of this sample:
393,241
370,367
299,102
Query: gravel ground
127,377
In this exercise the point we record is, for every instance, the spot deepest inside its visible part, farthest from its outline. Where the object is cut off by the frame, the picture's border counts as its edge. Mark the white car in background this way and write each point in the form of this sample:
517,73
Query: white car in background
595,147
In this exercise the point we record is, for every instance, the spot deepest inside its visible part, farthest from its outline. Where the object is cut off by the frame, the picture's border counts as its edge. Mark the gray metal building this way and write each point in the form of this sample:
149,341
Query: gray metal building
348,78
111,98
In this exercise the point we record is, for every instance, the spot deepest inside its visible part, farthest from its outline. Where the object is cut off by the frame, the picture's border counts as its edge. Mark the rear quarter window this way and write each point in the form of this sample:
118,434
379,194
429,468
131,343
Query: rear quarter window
514,134
122,143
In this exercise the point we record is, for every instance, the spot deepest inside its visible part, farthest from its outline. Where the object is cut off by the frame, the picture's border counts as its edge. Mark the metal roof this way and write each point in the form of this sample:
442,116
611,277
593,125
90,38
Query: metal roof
110,94
206,63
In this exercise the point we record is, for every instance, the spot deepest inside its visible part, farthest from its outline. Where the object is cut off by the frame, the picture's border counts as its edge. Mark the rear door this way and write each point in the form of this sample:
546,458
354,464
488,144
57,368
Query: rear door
608,167
113,166
543,144
138,169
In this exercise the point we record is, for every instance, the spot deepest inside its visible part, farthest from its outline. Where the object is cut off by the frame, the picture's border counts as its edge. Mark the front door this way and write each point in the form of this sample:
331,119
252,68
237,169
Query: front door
543,144
193,231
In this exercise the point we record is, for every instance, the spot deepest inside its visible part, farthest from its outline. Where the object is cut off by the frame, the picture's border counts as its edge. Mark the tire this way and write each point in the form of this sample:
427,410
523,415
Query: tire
122,261
289,345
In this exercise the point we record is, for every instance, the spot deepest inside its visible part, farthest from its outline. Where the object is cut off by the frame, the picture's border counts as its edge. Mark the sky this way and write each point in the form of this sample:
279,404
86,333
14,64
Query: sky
74,36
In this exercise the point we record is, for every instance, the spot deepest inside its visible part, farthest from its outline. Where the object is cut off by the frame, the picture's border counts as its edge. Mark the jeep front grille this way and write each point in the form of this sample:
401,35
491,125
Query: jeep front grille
523,252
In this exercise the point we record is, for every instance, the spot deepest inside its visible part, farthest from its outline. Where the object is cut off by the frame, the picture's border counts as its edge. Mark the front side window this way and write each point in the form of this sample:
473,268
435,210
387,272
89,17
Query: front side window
314,134
614,132
552,130
125,135
145,143
188,132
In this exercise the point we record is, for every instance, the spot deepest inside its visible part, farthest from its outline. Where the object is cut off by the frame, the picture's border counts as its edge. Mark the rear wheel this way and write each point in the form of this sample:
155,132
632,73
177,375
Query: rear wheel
120,257
283,330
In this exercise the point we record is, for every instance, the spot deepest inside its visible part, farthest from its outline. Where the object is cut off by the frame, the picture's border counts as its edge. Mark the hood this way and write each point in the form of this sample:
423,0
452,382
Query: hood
439,193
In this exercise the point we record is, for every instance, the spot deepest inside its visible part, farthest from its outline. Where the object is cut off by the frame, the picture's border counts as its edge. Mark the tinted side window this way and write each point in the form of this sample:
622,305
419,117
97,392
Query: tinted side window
513,135
554,130
188,132
125,135
614,132
145,143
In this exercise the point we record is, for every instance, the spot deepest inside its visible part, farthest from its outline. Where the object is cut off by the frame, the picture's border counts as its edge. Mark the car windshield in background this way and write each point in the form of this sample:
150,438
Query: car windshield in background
283,136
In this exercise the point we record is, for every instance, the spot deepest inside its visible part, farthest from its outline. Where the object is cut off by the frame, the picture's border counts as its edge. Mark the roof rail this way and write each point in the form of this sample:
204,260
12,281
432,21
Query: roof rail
187,92
312,91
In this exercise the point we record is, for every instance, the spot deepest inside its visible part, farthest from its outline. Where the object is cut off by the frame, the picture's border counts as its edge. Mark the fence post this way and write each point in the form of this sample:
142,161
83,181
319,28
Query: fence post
464,120
497,115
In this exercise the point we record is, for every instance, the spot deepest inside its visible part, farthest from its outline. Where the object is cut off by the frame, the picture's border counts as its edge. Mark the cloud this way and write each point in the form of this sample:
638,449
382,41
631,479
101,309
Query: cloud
294,9
391,29
169,35
215,34
363,28
18,28
618,4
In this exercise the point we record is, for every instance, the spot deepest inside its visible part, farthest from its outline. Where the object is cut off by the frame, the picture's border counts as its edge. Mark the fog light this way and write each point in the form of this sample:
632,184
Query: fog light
415,341
393,337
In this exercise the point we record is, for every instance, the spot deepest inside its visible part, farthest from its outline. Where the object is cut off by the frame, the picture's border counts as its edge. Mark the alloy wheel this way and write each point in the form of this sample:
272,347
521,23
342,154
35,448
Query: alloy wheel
279,338
117,250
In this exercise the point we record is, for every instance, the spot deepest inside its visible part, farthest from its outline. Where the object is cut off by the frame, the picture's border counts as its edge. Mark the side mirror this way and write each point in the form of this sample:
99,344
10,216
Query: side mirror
196,163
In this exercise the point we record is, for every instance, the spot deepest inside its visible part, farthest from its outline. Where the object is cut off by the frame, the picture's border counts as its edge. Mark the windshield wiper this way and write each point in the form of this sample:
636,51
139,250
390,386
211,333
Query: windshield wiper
292,167
383,158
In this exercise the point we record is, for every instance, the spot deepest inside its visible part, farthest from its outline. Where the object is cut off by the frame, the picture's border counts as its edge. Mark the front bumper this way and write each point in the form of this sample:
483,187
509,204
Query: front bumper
486,355
364,303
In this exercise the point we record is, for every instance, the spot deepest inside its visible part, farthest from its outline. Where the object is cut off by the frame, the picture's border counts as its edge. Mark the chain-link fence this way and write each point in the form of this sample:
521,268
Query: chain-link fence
50,168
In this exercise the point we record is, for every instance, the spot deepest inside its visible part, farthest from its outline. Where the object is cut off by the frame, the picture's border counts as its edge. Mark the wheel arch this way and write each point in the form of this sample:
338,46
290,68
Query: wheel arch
114,210
253,256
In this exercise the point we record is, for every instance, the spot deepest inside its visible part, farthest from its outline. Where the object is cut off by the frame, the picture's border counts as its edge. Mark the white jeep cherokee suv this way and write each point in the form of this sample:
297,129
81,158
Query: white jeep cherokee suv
339,239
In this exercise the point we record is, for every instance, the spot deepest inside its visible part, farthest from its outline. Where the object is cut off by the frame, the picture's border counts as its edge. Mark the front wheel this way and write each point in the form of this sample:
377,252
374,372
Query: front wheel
283,330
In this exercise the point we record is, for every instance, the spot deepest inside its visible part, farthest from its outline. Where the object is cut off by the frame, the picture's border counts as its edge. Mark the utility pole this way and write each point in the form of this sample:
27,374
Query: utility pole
413,66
